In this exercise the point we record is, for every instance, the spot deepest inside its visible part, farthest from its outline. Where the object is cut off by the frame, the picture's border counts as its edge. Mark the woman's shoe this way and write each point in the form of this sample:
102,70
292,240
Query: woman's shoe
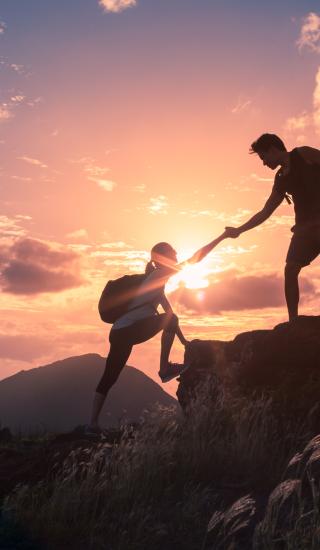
173,370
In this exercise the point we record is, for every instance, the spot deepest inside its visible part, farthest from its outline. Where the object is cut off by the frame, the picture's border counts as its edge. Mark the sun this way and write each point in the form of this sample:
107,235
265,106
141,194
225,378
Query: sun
193,276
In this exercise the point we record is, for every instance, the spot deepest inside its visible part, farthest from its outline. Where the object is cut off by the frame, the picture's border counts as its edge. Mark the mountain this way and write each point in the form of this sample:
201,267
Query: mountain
58,396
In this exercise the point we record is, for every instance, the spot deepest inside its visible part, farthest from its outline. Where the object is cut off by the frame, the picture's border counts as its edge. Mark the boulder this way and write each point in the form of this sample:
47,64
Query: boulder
284,361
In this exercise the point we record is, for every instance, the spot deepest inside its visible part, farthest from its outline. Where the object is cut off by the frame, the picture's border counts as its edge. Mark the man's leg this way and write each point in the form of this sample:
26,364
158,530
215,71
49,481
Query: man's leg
291,286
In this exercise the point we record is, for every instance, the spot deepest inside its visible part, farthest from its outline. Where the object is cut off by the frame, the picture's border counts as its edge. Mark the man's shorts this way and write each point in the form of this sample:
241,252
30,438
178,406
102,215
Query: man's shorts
305,245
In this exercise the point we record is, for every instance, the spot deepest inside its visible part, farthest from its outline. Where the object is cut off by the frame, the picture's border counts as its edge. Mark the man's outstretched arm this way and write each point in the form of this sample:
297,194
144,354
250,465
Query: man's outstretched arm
272,203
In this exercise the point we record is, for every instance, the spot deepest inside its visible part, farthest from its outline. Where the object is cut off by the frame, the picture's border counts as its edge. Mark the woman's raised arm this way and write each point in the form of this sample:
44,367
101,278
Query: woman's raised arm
202,252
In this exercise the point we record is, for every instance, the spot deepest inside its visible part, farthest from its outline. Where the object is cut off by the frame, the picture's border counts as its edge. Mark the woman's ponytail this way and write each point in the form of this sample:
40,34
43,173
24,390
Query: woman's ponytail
149,267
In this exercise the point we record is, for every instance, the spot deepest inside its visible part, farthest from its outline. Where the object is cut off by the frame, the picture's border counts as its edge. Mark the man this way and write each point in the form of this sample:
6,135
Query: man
298,176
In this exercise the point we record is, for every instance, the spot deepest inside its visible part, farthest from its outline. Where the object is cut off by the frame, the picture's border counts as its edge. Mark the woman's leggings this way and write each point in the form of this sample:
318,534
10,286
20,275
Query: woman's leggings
122,341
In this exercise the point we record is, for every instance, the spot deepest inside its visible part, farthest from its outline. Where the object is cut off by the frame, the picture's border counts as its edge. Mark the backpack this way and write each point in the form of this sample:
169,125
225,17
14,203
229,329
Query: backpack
117,295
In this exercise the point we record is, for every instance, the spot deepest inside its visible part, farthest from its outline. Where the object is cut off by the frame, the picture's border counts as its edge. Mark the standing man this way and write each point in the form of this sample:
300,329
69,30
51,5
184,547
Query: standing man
299,177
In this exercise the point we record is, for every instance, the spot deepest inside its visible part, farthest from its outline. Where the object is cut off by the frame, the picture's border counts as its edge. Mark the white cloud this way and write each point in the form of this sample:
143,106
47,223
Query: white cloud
33,161
307,120
11,227
116,244
310,39
310,33
107,185
95,173
300,122
241,106
116,6
158,205
17,98
2,27
140,188
78,234
21,178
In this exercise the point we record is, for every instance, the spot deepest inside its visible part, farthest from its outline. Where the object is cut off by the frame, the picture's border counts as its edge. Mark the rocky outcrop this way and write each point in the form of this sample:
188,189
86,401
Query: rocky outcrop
284,361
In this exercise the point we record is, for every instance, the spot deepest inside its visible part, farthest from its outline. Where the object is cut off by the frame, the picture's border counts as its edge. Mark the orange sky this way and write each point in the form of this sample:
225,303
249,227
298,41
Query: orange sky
127,123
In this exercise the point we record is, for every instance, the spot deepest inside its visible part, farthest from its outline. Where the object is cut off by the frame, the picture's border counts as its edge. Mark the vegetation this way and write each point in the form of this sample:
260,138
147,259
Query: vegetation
171,483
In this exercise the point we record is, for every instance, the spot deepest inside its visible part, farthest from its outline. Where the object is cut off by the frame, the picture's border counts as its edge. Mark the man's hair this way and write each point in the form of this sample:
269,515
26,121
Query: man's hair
265,142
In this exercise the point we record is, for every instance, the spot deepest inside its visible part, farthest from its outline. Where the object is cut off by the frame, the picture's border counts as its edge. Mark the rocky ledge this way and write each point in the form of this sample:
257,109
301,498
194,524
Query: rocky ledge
284,361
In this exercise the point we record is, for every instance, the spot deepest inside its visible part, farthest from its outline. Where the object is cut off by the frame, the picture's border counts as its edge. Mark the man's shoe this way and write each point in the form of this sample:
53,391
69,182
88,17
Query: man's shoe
173,370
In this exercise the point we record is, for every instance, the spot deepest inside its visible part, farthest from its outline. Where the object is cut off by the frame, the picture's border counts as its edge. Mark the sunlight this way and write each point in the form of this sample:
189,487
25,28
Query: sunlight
191,276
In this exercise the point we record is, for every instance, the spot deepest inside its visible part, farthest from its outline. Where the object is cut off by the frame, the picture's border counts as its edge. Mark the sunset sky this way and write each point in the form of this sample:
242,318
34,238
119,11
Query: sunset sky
128,122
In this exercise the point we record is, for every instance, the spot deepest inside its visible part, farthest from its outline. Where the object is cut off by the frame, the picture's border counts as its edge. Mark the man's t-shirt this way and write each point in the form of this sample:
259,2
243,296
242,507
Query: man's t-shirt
303,184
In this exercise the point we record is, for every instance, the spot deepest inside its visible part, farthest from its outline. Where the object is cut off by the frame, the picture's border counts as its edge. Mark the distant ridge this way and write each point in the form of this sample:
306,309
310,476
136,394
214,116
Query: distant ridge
58,396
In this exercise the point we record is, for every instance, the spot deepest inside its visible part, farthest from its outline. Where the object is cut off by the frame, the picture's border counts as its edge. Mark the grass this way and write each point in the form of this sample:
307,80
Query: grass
161,484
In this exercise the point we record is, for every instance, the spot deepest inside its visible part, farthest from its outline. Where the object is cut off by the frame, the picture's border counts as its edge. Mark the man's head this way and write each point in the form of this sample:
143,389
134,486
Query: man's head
270,149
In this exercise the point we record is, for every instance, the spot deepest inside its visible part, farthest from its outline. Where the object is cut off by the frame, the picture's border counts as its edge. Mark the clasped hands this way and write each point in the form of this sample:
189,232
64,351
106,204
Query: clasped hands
232,232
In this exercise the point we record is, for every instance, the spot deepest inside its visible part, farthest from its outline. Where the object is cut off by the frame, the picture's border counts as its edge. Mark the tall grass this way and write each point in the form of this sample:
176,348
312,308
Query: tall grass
160,485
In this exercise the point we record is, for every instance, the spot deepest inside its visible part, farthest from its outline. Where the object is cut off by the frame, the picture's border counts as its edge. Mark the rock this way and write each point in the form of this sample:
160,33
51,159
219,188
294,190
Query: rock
284,361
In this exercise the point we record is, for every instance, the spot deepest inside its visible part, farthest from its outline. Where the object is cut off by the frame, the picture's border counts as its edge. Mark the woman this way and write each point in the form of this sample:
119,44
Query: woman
142,321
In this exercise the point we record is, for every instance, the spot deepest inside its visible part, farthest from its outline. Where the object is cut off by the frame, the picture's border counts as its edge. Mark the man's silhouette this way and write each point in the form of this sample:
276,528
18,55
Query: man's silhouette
299,177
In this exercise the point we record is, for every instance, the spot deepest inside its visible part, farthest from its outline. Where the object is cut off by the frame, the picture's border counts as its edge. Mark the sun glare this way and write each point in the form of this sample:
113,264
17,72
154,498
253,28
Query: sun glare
192,276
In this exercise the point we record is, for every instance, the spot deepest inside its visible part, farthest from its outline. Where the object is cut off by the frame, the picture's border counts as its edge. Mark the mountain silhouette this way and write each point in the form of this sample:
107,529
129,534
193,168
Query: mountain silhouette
58,396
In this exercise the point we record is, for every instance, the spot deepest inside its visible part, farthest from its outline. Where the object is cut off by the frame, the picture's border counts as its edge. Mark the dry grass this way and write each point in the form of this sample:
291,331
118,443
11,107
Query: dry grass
159,487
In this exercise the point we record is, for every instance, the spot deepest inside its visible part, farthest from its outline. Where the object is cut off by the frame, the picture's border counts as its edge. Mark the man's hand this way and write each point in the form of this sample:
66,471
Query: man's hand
232,232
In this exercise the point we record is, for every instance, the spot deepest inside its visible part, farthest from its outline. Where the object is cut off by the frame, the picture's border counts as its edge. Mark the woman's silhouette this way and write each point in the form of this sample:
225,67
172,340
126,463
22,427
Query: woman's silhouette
142,321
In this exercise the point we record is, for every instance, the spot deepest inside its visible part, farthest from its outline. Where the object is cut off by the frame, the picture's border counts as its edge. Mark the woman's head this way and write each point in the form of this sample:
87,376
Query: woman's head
163,255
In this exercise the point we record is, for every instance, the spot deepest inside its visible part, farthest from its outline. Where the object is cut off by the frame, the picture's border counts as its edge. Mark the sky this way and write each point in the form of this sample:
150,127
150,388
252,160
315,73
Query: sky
128,122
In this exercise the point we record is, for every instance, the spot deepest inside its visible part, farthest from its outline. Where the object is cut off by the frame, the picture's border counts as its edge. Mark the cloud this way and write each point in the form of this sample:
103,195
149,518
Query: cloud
120,256
17,98
310,39
5,112
310,33
34,162
11,227
299,123
3,27
236,292
21,178
107,185
158,205
96,173
242,105
23,347
307,120
8,107
316,103
140,188
78,234
31,267
116,244
116,6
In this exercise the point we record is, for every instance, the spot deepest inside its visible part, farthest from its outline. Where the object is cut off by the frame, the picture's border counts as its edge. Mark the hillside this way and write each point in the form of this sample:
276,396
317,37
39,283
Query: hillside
58,396
240,469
